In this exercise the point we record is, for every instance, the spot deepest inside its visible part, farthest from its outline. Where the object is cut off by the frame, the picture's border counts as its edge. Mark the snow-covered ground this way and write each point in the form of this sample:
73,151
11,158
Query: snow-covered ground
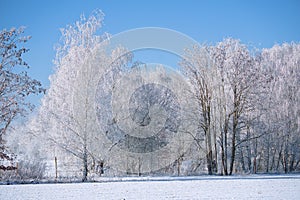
203,187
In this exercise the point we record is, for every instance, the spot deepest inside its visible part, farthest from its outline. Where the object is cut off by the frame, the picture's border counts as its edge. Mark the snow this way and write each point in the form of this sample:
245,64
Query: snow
203,187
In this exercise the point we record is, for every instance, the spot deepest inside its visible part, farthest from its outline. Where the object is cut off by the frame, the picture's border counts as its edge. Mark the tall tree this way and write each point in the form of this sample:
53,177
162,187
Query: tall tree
67,109
15,84
239,78
281,144
198,67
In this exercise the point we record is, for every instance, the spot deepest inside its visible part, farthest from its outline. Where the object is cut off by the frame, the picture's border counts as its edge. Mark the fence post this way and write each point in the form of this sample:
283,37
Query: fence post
55,161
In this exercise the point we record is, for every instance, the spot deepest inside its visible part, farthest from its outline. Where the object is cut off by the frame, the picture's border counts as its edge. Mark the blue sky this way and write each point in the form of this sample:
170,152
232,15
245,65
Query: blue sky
260,23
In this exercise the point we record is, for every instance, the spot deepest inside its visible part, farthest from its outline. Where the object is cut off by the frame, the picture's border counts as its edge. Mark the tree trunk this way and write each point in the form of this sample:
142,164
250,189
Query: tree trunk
268,154
215,156
234,130
208,152
206,112
224,147
214,138
85,159
248,149
255,156
85,165
55,164
240,153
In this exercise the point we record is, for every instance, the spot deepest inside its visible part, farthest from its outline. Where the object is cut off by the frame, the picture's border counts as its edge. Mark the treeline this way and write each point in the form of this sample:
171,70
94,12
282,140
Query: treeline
248,105
247,110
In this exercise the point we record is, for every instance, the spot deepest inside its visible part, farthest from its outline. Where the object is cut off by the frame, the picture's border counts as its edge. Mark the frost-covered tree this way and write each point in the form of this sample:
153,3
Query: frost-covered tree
15,84
226,79
240,79
67,111
198,67
280,146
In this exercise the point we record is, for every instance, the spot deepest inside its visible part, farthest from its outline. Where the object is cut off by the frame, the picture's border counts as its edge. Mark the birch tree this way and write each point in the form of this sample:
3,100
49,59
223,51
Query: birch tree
69,102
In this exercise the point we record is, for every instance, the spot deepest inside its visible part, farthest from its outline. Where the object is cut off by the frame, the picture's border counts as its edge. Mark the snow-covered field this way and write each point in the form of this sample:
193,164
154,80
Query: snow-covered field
204,187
